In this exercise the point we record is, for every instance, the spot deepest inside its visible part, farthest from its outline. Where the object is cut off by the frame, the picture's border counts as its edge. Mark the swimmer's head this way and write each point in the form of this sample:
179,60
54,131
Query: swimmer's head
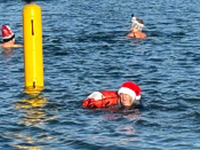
7,33
137,23
129,92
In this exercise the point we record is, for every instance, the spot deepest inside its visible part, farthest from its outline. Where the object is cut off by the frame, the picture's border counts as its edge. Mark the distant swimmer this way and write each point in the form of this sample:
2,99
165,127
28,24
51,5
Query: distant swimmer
136,28
128,96
8,37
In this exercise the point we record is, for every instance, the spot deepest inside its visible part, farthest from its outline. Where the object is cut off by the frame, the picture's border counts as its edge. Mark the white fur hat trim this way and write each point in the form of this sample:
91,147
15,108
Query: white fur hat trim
128,91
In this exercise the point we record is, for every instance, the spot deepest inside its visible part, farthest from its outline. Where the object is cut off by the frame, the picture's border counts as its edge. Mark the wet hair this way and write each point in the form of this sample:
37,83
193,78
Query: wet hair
7,40
140,20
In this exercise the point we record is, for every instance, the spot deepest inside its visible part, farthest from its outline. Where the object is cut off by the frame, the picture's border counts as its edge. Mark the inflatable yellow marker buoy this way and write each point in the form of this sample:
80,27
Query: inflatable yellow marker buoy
33,57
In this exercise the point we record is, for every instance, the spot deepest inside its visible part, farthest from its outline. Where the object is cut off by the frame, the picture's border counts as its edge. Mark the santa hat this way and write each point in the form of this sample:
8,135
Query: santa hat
131,89
6,33
136,24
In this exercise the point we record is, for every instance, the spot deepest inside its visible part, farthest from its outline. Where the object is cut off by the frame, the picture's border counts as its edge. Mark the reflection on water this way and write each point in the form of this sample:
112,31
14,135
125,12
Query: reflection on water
129,132
131,115
35,116
38,101
29,141
7,53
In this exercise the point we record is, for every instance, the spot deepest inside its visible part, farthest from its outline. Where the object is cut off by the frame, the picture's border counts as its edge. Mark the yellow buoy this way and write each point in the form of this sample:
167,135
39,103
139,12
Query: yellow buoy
33,57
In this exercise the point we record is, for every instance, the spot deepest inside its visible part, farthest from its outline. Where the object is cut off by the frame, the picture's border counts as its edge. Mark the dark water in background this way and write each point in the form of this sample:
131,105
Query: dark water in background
85,50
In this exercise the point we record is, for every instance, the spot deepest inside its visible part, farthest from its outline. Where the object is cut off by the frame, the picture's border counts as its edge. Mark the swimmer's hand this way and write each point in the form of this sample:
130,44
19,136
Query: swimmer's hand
89,103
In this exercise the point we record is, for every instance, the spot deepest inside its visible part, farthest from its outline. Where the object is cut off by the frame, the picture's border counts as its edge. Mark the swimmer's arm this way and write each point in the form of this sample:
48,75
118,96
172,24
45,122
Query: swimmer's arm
144,35
17,45
130,35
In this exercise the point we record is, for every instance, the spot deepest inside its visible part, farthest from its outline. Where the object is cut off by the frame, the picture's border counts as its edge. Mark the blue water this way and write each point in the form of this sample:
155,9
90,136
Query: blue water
85,49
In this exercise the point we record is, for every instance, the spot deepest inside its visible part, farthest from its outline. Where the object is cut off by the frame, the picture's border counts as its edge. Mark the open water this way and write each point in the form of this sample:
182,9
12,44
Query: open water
85,49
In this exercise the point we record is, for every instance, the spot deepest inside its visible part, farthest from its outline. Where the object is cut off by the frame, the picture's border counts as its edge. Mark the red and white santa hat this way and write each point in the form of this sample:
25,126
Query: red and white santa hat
131,89
6,32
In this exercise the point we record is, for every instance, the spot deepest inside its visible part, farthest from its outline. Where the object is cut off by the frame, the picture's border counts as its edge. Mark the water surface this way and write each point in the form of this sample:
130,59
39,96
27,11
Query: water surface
85,49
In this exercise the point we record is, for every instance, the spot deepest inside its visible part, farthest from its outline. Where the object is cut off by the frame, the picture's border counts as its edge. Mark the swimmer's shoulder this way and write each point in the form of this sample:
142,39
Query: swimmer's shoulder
17,45
131,35
140,35
11,45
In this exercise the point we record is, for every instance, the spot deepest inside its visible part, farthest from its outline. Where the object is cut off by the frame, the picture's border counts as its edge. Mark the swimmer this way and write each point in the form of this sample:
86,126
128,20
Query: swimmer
136,28
8,38
128,95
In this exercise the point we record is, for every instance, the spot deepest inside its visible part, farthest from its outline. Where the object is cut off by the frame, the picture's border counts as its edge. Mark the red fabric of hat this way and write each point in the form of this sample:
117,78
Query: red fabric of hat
6,32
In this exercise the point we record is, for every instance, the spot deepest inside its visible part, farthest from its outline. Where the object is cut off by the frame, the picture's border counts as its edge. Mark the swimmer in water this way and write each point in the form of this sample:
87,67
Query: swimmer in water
136,28
128,95
8,38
